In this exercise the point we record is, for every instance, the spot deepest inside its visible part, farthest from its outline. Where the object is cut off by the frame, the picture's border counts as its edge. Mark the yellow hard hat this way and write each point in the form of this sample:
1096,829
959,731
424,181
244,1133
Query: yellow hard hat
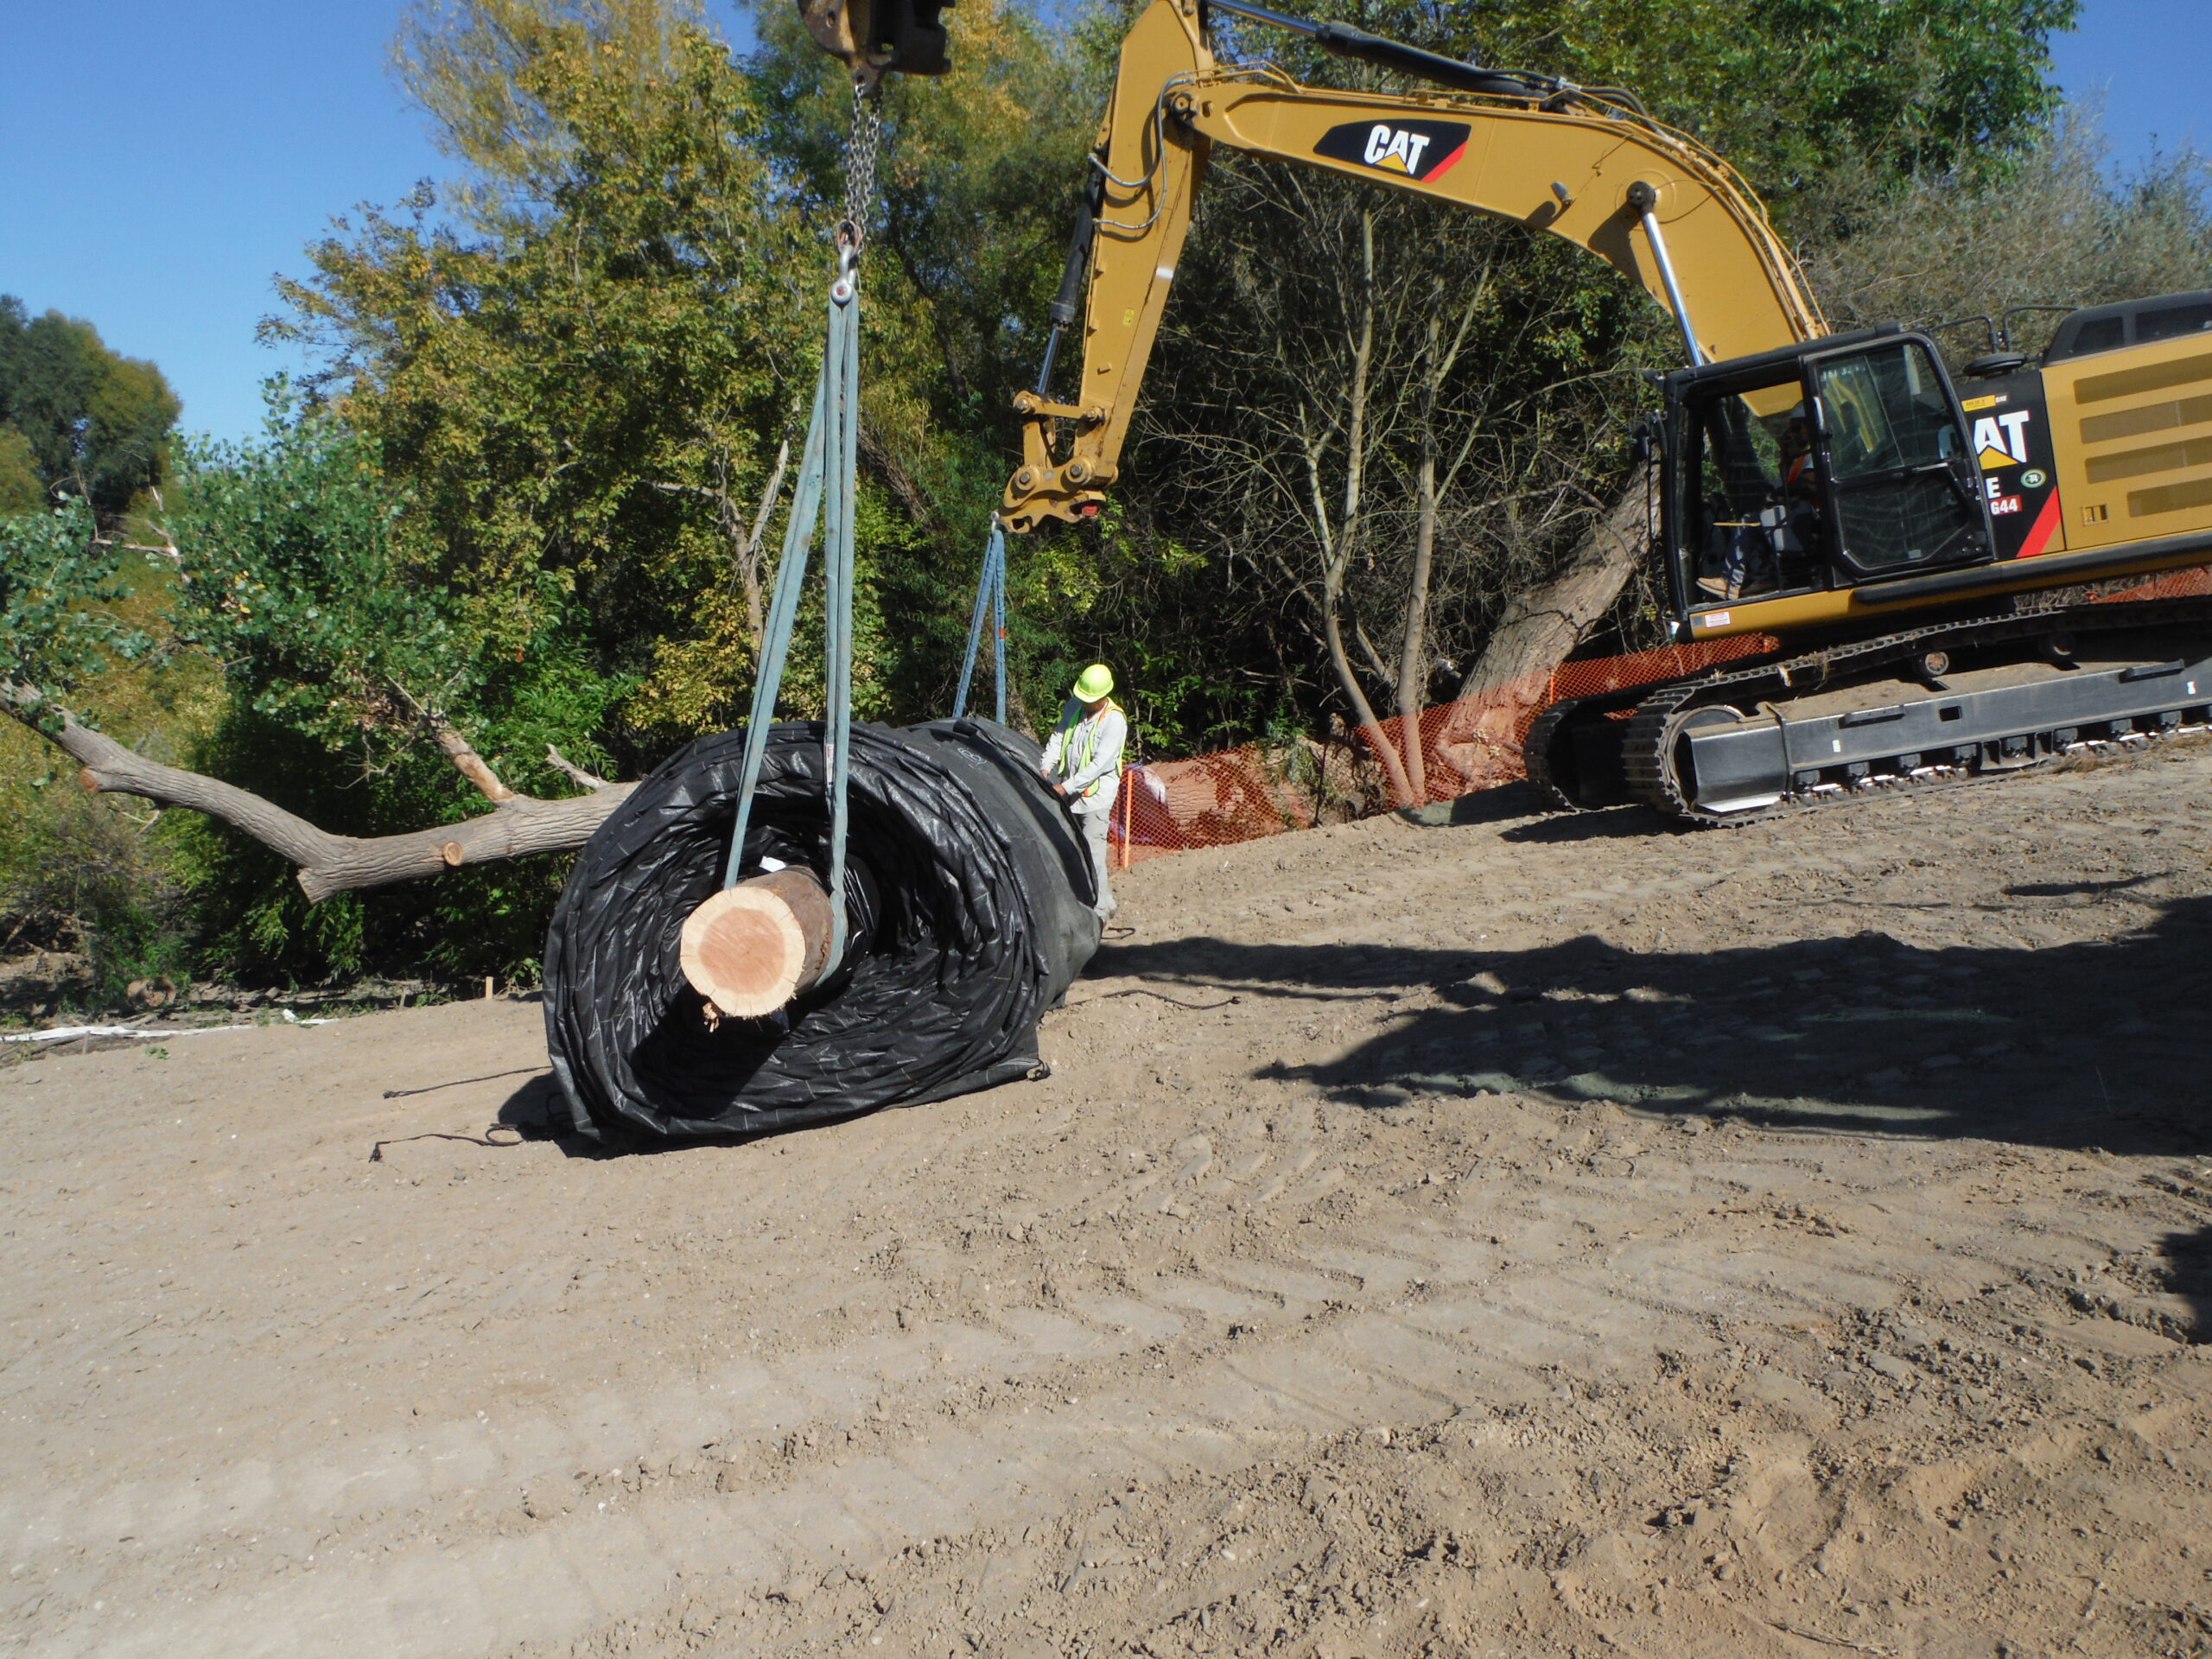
1094,683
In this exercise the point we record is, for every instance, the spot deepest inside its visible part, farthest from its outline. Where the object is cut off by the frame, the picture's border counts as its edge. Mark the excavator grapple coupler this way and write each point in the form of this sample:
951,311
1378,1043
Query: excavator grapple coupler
874,38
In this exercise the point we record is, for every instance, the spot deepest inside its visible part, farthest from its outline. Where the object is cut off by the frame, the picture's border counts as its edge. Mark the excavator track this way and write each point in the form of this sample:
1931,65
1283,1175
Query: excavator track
2142,701
1570,771
1647,749
1536,754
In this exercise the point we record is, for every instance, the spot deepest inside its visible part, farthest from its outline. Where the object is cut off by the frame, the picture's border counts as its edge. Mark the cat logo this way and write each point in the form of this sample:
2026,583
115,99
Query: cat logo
2001,439
1425,150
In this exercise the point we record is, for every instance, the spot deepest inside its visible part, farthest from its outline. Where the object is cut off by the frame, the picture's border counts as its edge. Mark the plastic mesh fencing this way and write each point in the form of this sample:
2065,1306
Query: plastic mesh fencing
2175,584
1241,794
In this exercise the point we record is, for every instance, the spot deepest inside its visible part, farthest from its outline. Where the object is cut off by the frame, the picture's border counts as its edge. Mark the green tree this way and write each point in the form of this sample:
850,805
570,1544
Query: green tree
84,421
368,693
74,872
21,490
61,585
1947,243
584,378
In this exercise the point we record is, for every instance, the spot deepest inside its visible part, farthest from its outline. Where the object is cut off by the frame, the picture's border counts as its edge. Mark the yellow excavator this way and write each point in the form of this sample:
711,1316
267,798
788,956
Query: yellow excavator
1838,492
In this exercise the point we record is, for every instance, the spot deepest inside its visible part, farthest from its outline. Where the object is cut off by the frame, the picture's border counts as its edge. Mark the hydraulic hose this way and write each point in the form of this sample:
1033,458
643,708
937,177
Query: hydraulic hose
1343,41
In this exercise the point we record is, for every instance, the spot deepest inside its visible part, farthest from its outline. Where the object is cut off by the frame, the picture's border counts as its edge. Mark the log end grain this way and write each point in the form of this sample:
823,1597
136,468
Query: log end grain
751,948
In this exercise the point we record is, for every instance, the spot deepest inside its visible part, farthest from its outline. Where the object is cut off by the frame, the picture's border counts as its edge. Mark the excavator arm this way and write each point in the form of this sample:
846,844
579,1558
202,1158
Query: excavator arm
1588,166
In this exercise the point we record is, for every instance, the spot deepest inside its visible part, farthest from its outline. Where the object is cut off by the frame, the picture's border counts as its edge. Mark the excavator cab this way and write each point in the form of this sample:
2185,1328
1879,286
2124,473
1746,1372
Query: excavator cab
874,38
1818,467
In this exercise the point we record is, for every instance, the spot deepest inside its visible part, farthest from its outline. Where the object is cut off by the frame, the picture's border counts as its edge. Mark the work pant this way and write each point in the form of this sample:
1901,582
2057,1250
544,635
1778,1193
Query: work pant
1094,835
1750,559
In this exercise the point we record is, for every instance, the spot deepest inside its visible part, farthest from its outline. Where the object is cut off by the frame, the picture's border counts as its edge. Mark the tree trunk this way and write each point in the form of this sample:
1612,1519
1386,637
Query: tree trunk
1413,651
1336,553
746,546
1437,362
1370,729
517,826
1510,683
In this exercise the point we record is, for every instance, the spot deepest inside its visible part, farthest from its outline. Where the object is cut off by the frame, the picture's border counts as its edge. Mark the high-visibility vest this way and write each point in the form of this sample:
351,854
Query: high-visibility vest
1081,746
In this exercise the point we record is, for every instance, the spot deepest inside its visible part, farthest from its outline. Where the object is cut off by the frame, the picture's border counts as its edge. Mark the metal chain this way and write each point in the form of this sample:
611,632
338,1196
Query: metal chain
860,172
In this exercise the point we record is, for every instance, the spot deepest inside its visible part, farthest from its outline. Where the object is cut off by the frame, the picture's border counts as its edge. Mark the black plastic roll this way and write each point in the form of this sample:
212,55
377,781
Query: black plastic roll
969,907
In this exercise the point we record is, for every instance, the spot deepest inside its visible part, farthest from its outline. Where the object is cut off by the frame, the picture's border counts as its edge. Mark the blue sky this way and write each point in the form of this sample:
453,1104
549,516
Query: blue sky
160,162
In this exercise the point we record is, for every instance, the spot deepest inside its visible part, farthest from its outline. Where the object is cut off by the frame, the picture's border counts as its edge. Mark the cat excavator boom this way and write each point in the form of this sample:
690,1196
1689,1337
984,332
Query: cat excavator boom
1582,163
1887,529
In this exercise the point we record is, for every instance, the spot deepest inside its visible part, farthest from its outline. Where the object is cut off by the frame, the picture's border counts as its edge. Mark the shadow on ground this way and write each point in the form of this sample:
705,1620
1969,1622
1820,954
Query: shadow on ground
2095,1045
1505,802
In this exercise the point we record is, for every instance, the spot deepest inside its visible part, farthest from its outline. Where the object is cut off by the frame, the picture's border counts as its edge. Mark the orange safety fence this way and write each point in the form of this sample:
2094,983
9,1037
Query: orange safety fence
1243,793
2192,583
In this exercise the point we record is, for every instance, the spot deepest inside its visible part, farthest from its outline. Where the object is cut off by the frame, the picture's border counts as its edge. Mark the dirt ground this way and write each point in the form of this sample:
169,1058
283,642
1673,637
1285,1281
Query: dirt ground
1525,1237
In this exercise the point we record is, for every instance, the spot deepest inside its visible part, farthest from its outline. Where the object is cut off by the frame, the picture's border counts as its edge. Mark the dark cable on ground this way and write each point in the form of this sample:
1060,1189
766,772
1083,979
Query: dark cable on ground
433,1088
376,1152
1196,1007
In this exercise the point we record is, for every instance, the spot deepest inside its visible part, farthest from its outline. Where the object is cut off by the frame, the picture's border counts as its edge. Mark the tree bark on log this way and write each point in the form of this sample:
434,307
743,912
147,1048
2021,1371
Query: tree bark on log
517,826
1510,683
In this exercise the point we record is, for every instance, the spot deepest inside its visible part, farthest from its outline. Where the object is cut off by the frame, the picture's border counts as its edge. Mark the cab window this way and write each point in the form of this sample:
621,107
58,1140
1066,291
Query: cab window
1904,491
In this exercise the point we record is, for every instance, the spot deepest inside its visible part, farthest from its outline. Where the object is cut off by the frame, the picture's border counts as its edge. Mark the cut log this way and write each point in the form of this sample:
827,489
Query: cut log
752,947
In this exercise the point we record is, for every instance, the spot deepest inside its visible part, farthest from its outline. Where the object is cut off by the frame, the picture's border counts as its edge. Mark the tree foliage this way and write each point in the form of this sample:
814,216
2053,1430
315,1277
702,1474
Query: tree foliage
61,582
1949,243
78,633
602,348
350,653
75,418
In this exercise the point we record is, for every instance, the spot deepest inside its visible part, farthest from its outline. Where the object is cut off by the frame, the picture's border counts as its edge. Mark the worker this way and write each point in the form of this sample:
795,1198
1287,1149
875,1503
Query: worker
1082,761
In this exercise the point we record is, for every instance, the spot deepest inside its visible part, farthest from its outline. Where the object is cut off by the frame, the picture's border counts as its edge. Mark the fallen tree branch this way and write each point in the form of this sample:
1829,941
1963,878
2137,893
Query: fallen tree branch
459,750
575,773
517,826
470,765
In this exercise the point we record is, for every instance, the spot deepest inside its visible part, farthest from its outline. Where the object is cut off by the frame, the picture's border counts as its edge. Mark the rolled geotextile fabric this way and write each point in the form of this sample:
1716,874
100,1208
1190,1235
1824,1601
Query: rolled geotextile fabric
969,907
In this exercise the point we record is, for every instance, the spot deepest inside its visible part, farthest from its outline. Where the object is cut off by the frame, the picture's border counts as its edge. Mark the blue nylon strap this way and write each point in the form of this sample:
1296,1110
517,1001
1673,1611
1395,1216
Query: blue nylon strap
998,621
783,612
825,492
990,595
842,375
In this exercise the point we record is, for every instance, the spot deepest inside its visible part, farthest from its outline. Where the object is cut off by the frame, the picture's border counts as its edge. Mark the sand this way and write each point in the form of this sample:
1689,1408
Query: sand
1526,1237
